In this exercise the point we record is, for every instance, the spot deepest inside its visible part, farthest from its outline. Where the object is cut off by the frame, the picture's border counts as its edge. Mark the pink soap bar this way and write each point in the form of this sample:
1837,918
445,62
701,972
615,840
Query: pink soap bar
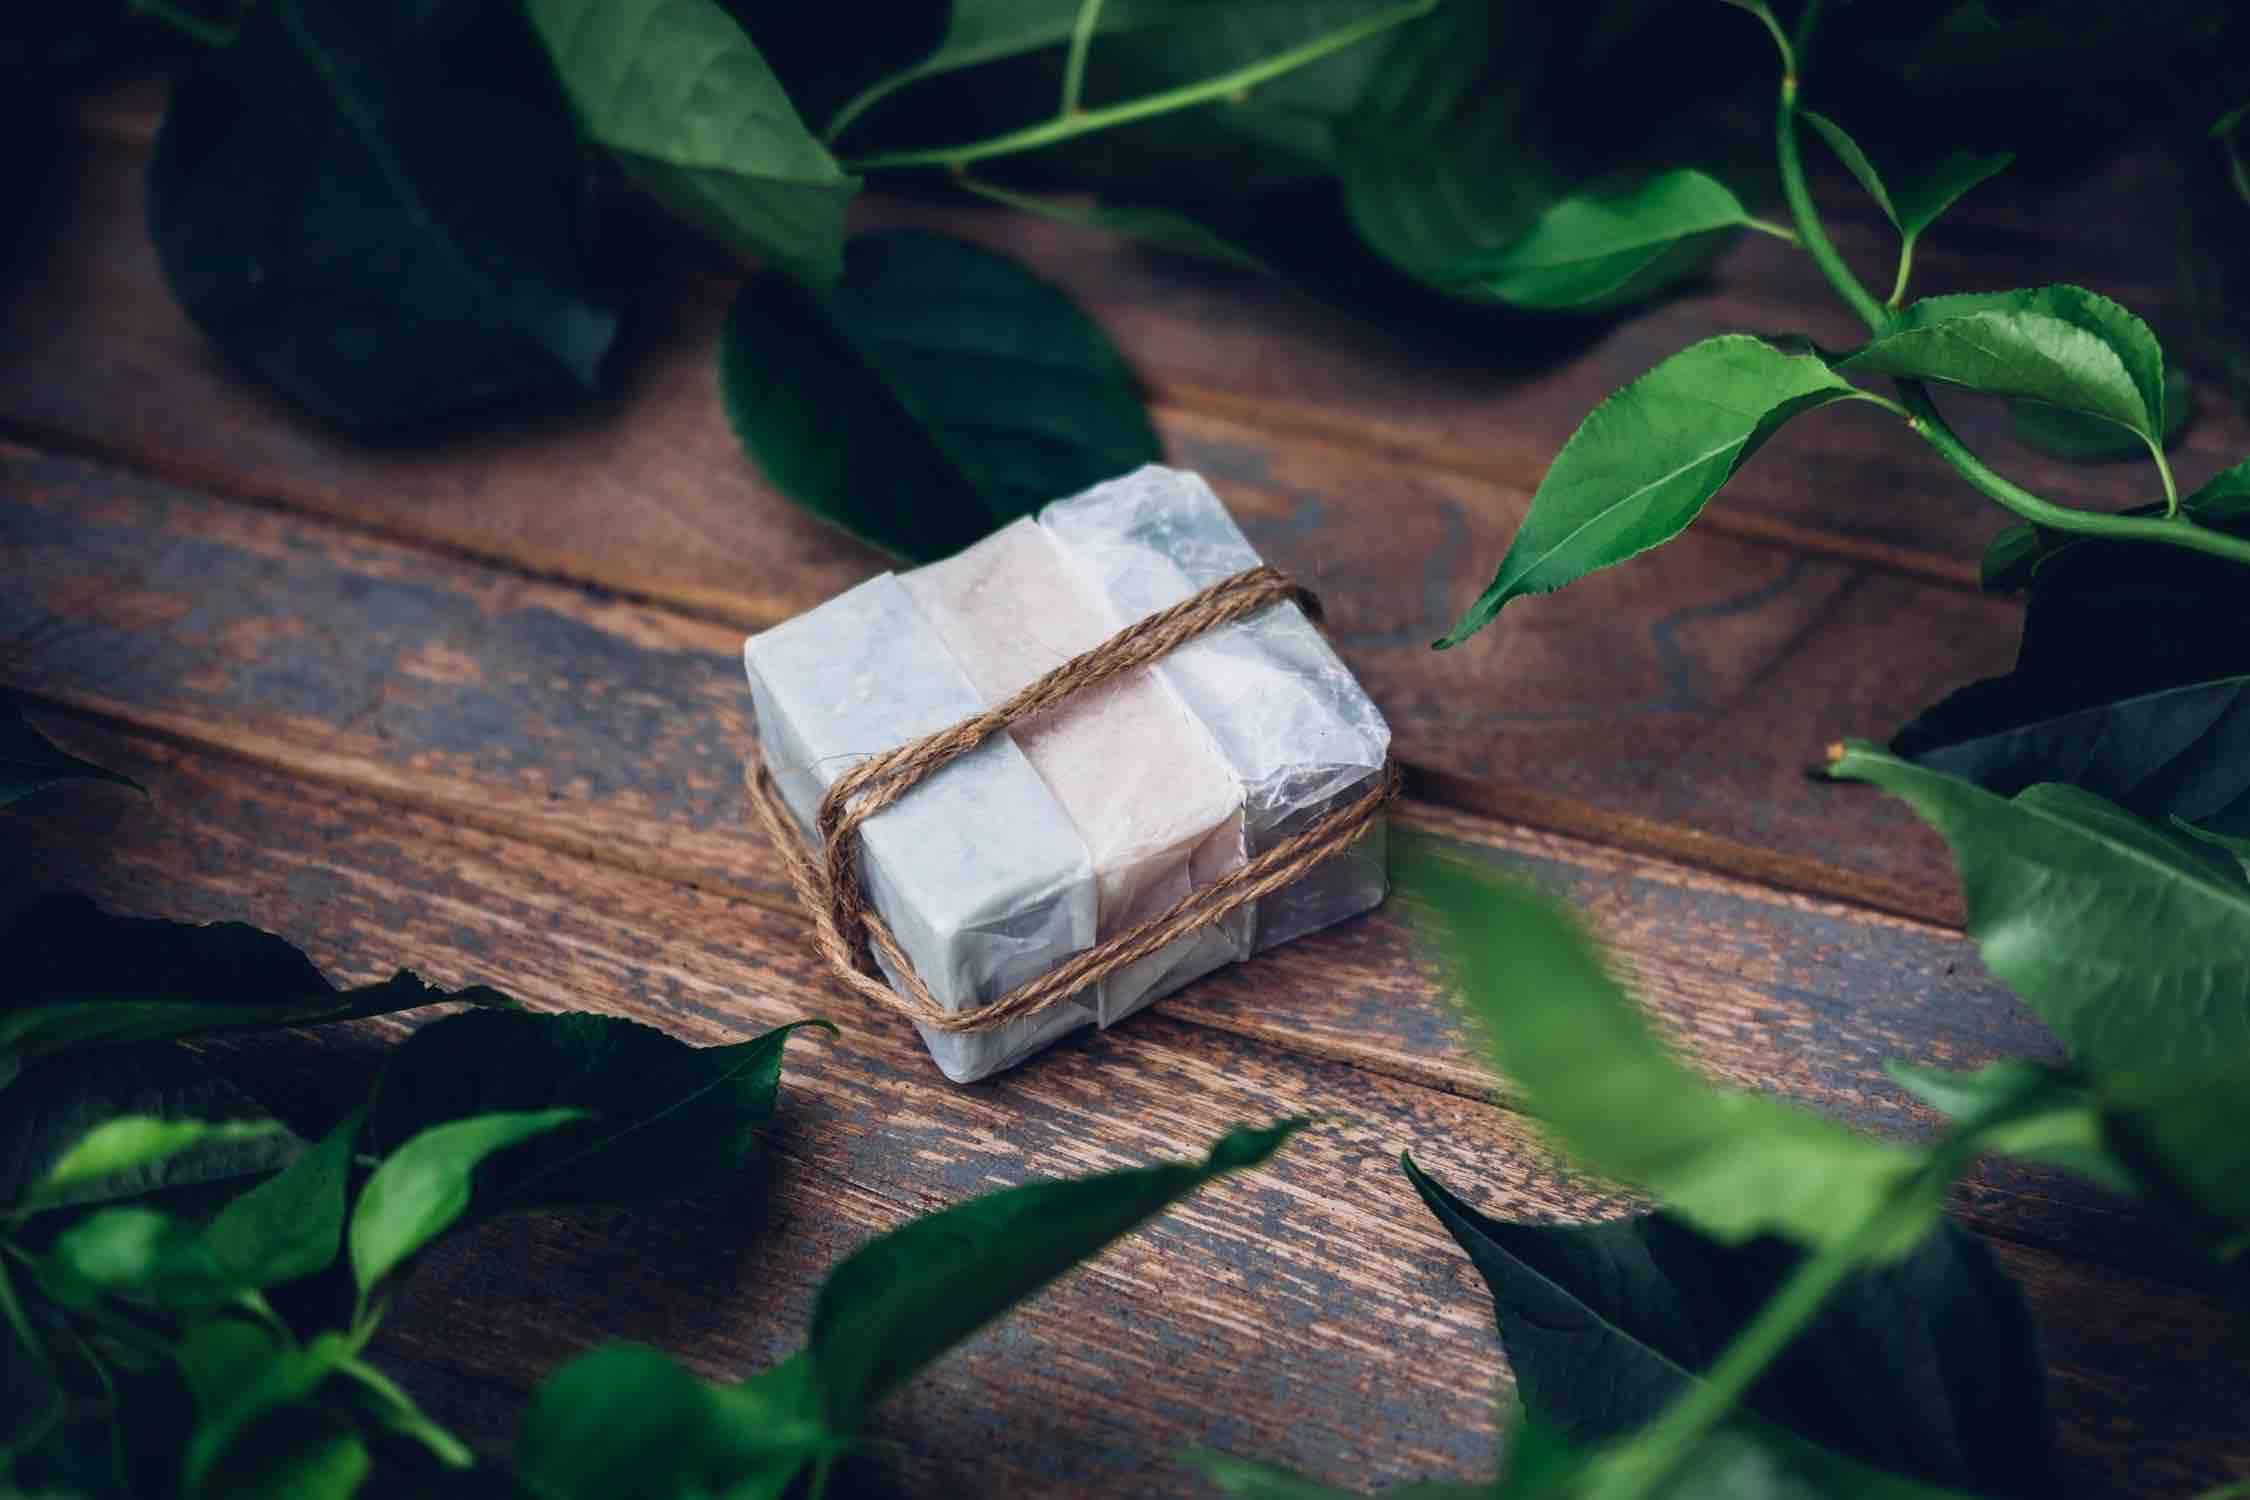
1135,772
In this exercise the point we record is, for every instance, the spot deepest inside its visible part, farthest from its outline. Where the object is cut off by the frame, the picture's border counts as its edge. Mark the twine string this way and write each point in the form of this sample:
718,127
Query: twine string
845,927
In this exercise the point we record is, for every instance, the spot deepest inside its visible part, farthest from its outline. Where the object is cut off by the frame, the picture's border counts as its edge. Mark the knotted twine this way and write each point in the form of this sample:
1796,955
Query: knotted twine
828,885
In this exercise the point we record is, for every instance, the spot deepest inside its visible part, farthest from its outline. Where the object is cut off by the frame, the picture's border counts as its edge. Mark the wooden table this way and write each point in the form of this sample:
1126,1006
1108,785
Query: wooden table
477,707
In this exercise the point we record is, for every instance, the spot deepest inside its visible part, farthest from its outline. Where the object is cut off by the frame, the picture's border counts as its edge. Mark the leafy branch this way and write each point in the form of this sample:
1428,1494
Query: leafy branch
1642,466
1072,121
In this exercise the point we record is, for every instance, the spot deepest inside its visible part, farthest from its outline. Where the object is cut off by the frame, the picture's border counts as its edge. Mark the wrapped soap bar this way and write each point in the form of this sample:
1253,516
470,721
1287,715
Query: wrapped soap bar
1083,822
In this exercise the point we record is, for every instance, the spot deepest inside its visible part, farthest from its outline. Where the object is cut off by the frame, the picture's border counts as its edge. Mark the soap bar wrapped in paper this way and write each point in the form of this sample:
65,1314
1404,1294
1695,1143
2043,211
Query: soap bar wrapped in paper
1084,821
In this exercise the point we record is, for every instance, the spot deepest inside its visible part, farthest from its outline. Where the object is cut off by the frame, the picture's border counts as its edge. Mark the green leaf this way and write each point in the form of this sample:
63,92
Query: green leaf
130,1144
2174,1135
1246,1480
1643,464
28,763
379,209
1927,1367
904,1298
939,392
1595,251
2067,435
77,977
138,1254
624,1420
680,94
1737,1164
2063,890
1922,195
1456,169
2183,1135
239,1371
2065,1132
291,1224
661,1118
1161,228
2061,345
423,1187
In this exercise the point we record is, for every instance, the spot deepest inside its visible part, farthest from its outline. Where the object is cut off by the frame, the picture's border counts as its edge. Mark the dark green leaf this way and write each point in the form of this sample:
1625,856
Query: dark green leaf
626,1422
1927,1366
906,1297
2067,435
77,977
32,1399
132,1145
1923,195
2061,345
2063,891
56,1102
291,1224
2182,753
380,209
423,1186
28,763
939,392
1642,465
239,1371
681,95
1464,167
1738,1164
662,1118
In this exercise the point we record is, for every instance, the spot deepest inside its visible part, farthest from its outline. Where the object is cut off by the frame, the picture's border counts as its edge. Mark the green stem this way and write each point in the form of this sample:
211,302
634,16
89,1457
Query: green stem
1922,413
1088,121
209,33
1767,226
2178,531
1658,1450
1815,238
1905,269
1081,42
1780,37
408,1418
2164,472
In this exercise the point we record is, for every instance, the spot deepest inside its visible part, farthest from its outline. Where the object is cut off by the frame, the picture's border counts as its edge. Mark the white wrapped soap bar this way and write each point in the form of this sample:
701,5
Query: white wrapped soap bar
1086,821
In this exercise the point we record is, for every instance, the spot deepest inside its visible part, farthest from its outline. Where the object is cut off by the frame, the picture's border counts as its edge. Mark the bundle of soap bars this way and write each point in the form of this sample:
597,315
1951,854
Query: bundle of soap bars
1091,818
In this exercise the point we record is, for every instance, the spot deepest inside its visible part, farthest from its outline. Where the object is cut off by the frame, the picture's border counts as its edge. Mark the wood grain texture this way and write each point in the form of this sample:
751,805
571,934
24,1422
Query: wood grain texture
615,732
1309,1312
1674,704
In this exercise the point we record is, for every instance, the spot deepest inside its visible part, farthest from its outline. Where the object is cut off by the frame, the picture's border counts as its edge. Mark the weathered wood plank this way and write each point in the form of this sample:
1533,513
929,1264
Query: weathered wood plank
1672,705
1486,397
1370,1333
601,727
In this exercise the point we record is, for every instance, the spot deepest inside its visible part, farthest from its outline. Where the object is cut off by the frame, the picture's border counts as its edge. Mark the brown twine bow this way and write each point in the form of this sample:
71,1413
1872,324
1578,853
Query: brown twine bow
829,887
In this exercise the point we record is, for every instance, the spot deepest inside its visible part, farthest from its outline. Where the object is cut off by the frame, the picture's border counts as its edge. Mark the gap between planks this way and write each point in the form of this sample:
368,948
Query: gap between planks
1503,802
1440,1075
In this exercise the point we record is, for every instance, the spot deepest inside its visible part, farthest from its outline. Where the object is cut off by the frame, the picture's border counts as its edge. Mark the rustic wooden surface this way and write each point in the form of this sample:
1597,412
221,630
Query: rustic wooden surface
477,707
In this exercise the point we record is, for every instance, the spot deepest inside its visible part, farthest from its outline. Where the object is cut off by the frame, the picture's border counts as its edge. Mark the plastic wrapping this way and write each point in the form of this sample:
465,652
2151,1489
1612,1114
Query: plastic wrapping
1084,822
